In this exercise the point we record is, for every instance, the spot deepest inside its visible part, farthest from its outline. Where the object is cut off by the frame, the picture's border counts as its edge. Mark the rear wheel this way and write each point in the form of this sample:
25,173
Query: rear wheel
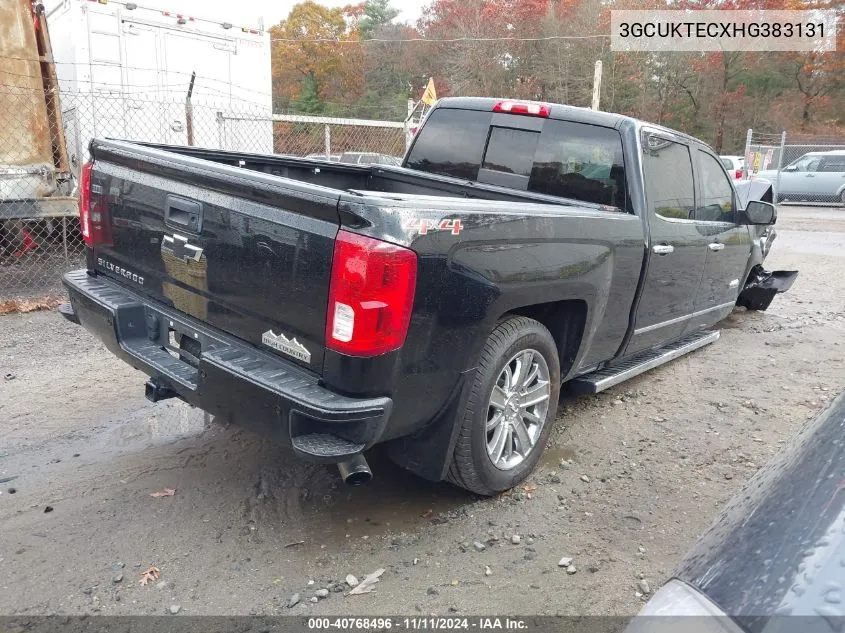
842,197
511,408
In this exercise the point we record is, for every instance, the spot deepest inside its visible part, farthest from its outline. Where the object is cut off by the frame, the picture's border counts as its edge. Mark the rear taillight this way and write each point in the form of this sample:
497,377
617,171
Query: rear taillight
738,174
94,220
529,108
85,201
371,295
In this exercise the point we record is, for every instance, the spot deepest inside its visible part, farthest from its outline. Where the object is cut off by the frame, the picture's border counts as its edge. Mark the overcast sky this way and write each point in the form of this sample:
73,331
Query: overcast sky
272,11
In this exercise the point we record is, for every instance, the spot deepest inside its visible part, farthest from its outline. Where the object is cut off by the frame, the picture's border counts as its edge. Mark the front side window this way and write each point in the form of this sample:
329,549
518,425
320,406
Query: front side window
667,170
717,195
806,163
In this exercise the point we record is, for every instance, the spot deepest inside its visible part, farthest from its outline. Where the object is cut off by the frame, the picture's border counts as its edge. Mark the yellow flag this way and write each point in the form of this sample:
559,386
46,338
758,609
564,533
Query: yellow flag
430,95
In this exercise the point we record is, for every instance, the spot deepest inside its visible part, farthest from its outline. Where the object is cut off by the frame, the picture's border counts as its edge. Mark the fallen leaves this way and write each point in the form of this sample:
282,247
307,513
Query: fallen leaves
167,492
152,573
368,584
29,305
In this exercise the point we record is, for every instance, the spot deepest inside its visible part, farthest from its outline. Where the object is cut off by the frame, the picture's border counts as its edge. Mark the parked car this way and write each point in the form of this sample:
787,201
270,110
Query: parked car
776,551
815,177
438,307
734,166
334,158
369,158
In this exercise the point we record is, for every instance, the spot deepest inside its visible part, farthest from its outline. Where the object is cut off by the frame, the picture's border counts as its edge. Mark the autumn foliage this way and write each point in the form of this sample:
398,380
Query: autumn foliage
356,61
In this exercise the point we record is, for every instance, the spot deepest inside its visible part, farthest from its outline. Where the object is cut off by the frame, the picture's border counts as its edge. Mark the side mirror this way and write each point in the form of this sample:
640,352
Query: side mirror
791,168
760,213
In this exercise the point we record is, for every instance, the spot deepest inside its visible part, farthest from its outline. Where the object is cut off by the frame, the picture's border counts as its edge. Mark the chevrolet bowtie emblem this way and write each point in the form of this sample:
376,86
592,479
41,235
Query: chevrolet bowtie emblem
178,246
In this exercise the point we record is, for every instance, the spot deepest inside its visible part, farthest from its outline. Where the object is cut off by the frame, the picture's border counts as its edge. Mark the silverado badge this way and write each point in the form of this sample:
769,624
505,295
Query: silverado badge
288,346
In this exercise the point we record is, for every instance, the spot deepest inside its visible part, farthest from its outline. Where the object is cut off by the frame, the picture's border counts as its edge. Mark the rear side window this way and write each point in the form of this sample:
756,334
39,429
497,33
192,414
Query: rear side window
566,159
835,164
451,143
667,170
580,161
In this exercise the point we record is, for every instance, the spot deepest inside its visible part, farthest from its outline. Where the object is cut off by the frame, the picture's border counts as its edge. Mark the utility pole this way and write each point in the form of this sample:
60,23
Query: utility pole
189,110
597,86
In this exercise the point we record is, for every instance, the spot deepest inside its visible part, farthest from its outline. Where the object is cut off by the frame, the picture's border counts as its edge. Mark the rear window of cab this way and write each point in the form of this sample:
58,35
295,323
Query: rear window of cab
558,158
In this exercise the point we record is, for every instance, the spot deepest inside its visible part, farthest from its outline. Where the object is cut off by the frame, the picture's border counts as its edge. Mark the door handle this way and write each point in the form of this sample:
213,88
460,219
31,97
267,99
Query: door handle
663,249
183,214
715,246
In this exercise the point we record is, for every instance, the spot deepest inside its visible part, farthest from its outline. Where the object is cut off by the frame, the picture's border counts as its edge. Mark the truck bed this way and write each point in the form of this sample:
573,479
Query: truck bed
365,179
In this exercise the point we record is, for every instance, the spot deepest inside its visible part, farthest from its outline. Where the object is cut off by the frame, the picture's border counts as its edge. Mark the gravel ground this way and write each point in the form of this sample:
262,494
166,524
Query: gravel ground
630,478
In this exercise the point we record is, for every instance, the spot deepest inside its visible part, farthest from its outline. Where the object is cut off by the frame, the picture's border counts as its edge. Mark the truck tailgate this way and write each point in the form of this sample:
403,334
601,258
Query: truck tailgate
246,252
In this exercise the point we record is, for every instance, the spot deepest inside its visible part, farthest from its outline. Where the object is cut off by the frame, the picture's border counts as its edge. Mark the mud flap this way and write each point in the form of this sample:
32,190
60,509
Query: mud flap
763,285
428,453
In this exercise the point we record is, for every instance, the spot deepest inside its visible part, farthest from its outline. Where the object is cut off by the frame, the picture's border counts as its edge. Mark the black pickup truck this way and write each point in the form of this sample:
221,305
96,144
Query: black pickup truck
438,306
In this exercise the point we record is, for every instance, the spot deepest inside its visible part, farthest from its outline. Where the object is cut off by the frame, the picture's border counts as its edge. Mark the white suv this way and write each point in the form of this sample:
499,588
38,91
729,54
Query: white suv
733,165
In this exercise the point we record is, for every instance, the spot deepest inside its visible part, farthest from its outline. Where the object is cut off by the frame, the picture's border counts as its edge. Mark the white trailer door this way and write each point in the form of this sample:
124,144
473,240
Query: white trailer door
209,58
106,96
144,112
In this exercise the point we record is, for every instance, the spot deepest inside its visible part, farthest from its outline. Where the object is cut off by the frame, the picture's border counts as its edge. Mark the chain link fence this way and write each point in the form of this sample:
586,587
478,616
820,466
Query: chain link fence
803,169
41,157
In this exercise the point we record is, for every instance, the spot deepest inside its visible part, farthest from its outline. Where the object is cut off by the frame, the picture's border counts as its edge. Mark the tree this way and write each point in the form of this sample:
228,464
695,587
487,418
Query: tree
377,13
308,54
326,60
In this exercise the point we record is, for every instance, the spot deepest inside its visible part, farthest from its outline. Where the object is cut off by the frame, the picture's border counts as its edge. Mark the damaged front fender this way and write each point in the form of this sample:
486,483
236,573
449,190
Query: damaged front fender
763,285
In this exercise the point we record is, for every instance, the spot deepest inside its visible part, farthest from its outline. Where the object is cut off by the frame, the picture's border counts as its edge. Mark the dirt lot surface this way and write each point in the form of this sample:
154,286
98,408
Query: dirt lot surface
646,467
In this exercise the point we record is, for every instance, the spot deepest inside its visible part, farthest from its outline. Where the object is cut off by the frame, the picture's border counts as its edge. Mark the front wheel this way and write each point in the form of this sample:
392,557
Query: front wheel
510,410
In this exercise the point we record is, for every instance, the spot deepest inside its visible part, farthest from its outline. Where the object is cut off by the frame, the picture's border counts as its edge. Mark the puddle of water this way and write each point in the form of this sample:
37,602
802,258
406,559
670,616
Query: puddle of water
552,457
155,425
152,426
309,498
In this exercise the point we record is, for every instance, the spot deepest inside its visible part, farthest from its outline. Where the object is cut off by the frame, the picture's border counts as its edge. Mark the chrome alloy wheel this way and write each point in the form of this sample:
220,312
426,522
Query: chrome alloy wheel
517,409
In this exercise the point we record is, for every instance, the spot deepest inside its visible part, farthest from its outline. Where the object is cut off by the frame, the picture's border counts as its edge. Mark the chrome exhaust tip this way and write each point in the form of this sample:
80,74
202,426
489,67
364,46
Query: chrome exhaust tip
355,471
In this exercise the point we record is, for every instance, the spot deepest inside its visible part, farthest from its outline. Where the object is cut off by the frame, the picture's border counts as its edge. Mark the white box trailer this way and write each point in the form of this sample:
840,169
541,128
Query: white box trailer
124,71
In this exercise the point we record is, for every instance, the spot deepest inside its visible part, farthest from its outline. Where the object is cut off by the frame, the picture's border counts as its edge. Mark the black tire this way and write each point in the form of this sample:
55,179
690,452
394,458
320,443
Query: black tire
842,198
471,467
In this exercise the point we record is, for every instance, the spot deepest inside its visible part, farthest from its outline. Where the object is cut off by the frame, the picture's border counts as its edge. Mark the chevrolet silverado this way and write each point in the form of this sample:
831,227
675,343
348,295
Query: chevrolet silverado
438,306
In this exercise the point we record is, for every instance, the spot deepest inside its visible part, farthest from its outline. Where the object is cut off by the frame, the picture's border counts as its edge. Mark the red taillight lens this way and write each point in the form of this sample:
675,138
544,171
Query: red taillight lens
85,201
529,108
94,219
371,295
738,174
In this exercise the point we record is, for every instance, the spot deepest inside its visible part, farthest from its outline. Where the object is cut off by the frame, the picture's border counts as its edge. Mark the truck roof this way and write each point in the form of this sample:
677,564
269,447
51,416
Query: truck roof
567,113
